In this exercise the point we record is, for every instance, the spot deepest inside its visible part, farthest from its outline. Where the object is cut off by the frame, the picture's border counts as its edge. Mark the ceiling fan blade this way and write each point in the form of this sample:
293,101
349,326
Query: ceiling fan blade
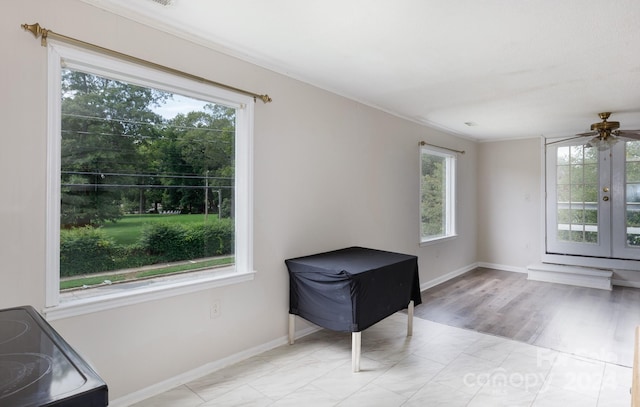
566,139
590,133
630,134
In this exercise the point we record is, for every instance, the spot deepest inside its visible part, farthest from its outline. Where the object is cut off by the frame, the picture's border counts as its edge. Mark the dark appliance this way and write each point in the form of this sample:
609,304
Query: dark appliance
38,368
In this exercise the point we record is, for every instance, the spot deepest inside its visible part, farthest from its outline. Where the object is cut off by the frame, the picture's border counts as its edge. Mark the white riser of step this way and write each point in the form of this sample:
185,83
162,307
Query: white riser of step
571,275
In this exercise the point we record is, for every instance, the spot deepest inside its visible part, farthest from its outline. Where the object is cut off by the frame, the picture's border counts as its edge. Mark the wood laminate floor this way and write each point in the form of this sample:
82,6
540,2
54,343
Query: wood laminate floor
589,322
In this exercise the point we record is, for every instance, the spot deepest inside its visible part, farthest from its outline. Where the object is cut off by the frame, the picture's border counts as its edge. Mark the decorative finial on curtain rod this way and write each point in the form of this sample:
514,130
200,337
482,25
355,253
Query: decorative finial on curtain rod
37,31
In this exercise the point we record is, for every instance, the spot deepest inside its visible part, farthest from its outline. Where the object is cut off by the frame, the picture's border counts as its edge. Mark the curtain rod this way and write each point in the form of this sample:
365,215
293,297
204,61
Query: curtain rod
38,31
424,143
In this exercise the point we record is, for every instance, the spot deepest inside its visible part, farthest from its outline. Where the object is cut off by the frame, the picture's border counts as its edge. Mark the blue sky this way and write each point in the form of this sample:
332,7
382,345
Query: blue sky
179,104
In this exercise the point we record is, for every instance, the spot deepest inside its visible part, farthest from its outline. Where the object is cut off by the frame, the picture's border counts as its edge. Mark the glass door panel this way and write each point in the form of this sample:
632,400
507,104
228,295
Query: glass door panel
577,194
626,207
577,223
632,190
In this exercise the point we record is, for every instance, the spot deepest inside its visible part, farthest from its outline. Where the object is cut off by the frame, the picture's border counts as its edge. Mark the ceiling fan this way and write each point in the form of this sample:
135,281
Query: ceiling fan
606,133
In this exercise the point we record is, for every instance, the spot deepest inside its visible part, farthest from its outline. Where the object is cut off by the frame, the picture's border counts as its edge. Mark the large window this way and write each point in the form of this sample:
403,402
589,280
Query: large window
437,194
150,187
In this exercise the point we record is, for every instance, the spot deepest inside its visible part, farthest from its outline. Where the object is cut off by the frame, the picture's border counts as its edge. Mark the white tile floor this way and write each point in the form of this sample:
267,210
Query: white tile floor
438,366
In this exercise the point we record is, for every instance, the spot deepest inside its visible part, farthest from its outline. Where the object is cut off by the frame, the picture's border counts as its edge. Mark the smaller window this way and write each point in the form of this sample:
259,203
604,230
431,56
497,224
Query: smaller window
437,194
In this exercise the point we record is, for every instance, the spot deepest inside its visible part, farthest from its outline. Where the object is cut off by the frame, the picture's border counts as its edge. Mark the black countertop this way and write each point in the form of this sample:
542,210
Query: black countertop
39,368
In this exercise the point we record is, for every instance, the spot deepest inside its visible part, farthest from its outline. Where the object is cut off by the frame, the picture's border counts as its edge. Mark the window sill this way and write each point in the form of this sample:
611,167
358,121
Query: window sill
120,295
437,240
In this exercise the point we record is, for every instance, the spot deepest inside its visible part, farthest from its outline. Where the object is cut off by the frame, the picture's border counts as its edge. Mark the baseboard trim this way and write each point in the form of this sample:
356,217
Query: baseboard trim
502,267
204,370
447,277
514,269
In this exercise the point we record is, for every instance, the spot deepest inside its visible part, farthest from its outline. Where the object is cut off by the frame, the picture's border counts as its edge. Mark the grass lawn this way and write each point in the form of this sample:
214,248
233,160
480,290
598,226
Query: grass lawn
69,283
127,230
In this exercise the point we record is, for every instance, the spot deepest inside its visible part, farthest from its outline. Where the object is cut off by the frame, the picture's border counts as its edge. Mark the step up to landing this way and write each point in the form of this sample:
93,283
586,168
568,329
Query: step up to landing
571,275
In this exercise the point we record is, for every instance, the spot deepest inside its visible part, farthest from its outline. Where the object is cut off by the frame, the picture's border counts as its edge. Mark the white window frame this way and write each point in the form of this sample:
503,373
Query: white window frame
450,194
63,55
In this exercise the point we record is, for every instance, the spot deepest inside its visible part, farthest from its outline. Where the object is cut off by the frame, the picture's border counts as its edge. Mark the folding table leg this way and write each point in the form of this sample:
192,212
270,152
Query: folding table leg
292,328
410,319
355,351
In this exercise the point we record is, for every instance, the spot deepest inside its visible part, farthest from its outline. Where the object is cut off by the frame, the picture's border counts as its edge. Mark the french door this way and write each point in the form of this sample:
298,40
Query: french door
593,200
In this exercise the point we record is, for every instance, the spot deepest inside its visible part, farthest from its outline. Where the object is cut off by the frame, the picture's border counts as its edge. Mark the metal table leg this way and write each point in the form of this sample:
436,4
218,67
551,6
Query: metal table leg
355,351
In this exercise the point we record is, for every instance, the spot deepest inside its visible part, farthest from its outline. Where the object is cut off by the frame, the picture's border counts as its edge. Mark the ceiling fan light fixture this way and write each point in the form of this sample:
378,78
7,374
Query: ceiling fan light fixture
602,143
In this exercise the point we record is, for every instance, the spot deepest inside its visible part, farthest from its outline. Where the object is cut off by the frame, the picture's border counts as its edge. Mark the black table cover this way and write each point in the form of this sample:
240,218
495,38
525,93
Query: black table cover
349,290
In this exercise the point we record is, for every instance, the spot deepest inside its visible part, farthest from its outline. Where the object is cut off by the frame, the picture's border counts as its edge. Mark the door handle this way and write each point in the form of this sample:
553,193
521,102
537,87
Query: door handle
605,198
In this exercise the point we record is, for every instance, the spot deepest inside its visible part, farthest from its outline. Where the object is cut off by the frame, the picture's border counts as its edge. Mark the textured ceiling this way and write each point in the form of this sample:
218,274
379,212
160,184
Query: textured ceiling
512,68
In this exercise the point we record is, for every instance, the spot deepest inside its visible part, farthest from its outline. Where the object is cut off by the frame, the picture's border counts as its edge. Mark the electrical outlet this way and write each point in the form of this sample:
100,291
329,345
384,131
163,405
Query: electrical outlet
214,311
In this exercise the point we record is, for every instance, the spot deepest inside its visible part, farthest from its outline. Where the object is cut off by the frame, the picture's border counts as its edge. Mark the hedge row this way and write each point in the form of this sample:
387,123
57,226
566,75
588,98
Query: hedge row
173,242
88,250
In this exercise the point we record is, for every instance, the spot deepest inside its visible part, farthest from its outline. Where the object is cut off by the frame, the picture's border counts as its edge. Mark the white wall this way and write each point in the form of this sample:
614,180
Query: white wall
329,173
509,204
